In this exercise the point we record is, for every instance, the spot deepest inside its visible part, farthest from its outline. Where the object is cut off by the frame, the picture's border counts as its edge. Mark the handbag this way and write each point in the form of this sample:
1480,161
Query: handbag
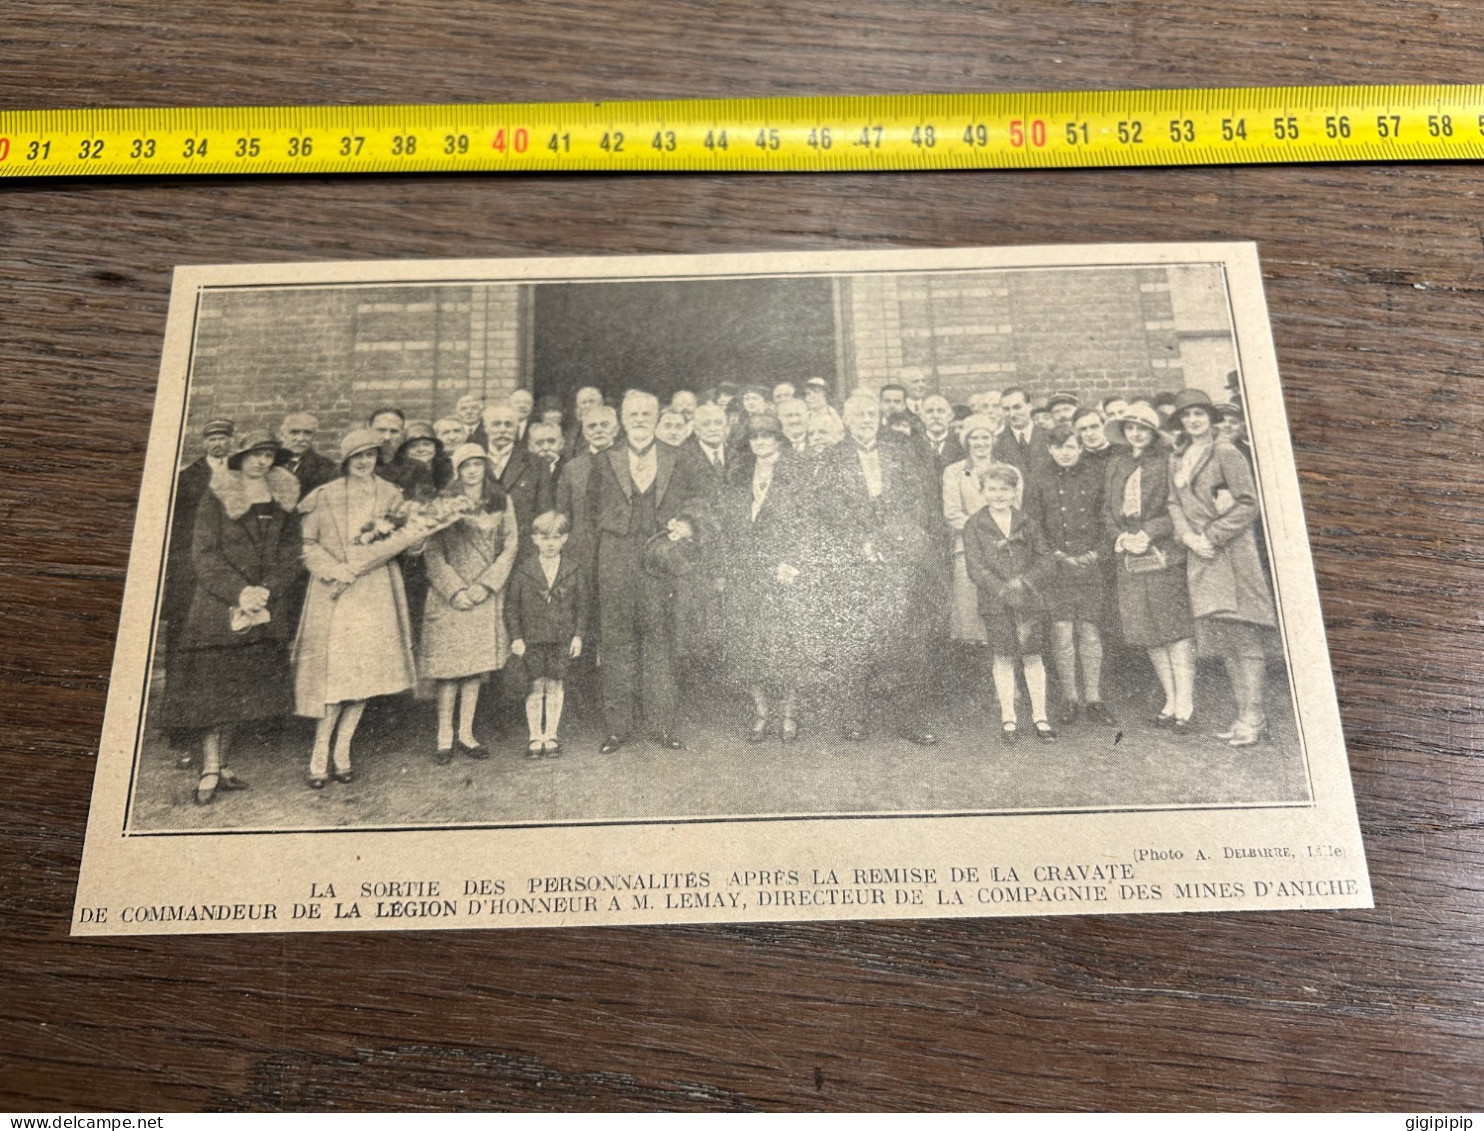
1151,561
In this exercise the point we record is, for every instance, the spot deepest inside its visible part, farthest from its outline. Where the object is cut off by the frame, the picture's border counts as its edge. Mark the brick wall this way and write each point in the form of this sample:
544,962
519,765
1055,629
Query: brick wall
338,352
1094,331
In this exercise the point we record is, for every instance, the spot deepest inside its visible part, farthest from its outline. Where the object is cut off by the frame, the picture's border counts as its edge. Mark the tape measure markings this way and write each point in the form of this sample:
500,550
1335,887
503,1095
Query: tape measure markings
906,132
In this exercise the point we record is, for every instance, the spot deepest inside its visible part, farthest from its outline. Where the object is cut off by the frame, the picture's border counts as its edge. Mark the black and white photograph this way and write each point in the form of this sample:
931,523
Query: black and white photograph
748,543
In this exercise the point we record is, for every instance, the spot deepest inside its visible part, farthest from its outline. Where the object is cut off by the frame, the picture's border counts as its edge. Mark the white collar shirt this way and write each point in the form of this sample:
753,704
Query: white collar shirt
500,460
642,467
871,468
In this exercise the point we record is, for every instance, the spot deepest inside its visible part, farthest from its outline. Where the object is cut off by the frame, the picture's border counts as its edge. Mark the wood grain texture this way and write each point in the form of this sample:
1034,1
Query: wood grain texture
1376,282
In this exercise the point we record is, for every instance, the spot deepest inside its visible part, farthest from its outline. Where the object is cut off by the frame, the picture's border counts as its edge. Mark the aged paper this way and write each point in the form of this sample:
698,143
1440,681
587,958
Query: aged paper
883,585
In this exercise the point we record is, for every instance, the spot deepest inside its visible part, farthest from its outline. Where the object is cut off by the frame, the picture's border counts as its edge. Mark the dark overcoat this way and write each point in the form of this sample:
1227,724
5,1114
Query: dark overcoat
885,557
311,469
191,486
547,614
769,624
230,553
636,608
527,480
993,560
1027,457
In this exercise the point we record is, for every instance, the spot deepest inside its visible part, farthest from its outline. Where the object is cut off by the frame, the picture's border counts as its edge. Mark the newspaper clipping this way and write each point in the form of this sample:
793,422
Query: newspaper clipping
548,592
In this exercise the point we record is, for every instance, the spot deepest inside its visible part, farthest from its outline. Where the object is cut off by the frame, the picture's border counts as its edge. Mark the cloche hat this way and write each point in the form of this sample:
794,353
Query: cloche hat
356,441
1140,412
252,442
419,430
465,452
1193,398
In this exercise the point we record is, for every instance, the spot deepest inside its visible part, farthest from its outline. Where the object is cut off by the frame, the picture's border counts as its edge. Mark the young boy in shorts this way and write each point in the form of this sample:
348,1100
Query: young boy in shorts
546,609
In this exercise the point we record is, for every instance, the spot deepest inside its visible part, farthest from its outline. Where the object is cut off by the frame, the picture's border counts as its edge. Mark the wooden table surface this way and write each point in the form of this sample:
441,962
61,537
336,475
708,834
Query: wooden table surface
1375,279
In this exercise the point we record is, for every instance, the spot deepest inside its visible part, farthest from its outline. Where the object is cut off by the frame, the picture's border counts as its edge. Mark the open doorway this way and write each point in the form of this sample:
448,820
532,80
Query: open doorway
668,335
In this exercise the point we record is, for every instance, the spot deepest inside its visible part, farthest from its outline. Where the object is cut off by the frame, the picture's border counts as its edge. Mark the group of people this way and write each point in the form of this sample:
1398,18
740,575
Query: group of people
813,557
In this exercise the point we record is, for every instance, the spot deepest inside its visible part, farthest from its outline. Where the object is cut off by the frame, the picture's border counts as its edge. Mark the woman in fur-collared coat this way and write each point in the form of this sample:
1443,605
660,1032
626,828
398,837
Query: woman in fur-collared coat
229,662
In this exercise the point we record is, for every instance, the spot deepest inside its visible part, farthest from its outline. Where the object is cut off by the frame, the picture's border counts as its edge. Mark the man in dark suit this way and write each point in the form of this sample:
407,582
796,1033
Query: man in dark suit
525,477
1021,443
599,430
584,401
524,403
793,418
637,490
718,463
937,418
885,561
545,441
297,456
470,411
191,486
700,621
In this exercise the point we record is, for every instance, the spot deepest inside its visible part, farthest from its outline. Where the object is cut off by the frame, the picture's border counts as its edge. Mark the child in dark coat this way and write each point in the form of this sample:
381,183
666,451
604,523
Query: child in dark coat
546,610
1006,558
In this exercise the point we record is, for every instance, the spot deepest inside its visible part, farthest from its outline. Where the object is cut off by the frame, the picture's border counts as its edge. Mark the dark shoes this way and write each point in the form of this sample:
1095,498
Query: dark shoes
669,742
1097,713
920,736
344,777
611,744
478,751
1164,721
1182,726
1044,731
759,729
443,757
1009,733
853,732
1067,713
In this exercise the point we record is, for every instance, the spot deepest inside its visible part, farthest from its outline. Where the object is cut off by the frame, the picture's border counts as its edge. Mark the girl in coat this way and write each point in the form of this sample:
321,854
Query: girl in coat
962,500
355,638
1007,560
1213,505
230,661
1153,604
463,633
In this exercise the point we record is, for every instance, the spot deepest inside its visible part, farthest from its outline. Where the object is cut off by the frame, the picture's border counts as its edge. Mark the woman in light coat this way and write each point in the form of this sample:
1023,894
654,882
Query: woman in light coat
961,500
355,638
1213,504
463,634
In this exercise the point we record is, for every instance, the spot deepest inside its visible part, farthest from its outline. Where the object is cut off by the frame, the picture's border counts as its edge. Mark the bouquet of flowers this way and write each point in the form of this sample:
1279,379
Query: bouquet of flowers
417,519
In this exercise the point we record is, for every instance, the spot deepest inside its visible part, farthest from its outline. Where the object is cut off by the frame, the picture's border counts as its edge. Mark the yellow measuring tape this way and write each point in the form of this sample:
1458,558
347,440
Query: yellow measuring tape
808,134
